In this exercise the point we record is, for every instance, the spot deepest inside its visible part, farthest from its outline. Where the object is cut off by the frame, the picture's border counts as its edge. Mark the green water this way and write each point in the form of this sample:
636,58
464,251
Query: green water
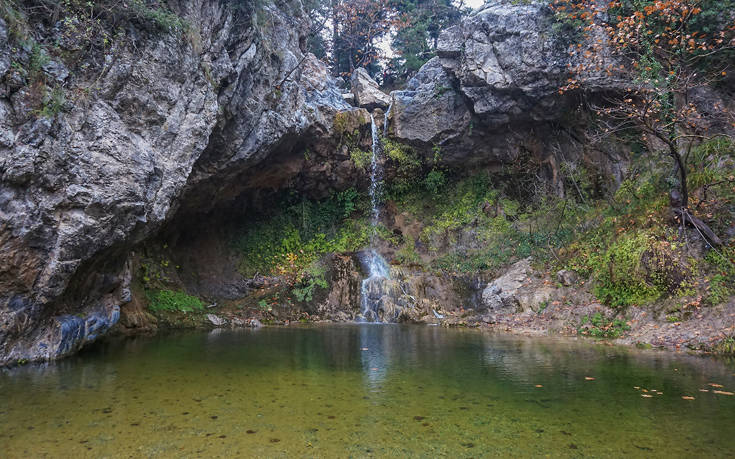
369,390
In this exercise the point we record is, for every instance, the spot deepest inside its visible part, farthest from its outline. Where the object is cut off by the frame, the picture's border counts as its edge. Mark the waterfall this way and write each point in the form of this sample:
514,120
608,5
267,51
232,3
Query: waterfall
385,120
377,268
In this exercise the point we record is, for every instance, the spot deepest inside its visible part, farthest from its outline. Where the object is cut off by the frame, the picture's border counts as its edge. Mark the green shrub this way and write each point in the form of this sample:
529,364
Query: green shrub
173,301
53,103
435,181
301,231
311,278
407,255
720,282
361,158
726,346
620,278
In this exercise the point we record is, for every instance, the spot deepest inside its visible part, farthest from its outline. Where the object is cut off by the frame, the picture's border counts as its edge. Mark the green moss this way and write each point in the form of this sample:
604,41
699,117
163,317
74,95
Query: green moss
407,164
173,301
348,123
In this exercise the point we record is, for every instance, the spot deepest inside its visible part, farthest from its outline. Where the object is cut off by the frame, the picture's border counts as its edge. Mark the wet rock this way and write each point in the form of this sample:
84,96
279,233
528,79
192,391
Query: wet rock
366,91
217,321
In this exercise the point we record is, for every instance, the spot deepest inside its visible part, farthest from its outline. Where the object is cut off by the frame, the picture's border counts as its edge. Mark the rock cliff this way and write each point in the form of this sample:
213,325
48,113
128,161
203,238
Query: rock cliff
163,120
492,94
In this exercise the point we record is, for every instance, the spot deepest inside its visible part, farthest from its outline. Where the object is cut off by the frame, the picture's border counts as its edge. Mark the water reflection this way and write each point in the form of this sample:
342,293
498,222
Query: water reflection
361,390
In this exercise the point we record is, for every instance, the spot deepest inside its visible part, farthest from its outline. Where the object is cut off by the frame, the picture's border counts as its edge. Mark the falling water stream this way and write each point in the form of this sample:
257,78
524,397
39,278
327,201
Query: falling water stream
376,266
385,120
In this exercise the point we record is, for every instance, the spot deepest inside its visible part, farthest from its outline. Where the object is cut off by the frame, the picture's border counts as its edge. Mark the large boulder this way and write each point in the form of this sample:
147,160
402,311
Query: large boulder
174,122
367,91
508,62
512,292
429,109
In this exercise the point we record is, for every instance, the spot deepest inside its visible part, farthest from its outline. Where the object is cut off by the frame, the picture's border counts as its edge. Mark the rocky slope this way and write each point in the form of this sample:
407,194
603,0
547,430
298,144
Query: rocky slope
168,120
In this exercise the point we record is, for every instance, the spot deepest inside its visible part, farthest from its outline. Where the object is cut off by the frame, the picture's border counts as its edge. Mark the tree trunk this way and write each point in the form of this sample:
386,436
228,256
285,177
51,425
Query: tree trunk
683,188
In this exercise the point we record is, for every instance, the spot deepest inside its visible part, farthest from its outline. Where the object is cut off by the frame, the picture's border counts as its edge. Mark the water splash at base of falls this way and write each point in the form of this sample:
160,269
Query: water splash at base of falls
372,290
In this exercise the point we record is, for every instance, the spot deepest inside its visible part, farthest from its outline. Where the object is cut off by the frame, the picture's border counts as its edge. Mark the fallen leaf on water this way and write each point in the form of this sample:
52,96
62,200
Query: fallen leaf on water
722,392
714,385
687,397
589,378
646,395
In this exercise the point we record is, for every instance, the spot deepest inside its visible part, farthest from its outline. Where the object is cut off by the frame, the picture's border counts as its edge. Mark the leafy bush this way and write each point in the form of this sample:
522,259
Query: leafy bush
361,158
720,283
173,301
310,279
435,181
300,231
620,277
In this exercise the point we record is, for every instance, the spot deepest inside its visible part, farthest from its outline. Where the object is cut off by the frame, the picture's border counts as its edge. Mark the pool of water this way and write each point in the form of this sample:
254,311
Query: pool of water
367,390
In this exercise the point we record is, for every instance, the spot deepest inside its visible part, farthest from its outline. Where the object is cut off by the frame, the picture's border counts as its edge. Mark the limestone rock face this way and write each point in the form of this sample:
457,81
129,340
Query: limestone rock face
501,294
366,91
507,62
512,292
491,96
171,123
501,65
429,110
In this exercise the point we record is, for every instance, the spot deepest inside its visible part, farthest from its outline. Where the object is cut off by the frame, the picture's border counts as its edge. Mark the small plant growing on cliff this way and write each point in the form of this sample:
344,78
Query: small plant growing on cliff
53,103
435,181
360,158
